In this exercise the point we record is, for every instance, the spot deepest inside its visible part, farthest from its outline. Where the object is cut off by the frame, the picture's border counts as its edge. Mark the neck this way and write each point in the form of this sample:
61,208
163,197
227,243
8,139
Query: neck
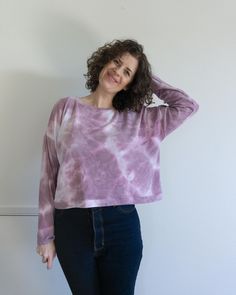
101,99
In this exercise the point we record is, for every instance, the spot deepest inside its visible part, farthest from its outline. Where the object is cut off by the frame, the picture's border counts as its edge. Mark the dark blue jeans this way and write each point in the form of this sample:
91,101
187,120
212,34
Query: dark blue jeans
99,249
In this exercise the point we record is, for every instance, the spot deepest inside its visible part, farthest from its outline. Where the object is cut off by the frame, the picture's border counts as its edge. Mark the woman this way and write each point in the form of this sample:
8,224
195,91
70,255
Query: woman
100,158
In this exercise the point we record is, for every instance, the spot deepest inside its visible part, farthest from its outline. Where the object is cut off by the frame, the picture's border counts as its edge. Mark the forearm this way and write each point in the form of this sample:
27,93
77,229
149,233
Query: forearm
47,190
174,97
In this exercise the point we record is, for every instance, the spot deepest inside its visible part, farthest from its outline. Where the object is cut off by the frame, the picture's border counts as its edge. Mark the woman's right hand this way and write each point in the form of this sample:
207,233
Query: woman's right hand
48,253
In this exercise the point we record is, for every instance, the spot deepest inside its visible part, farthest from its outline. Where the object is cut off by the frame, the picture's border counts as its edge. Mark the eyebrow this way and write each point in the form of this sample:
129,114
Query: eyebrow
126,67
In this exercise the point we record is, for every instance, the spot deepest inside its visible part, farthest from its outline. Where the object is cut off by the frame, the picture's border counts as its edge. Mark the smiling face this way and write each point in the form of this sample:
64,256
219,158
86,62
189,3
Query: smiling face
118,73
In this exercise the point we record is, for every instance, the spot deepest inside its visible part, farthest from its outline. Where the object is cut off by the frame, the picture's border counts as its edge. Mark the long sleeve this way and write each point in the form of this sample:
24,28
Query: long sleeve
164,119
48,178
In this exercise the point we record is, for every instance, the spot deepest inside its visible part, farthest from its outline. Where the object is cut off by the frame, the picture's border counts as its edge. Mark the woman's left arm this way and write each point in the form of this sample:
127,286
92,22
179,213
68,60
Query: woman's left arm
166,118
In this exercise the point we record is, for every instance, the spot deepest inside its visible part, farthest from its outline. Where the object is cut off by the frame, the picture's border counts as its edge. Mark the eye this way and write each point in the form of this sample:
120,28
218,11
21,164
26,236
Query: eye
116,61
127,73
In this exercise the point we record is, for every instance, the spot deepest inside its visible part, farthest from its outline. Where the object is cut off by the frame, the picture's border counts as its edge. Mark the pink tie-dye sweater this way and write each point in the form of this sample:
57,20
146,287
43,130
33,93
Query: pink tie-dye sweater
100,157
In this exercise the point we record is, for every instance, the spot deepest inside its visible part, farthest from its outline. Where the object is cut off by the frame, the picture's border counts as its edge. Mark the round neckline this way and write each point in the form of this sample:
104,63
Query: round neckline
93,107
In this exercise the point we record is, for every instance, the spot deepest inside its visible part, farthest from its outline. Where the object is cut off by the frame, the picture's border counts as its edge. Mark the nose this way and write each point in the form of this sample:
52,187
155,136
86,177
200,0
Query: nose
117,70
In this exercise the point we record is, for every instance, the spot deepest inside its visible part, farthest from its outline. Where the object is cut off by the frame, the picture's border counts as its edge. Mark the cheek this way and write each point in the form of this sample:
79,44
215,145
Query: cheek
127,81
102,73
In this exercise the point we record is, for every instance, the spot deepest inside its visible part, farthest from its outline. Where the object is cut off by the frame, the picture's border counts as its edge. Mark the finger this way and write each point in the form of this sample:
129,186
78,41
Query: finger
49,263
44,259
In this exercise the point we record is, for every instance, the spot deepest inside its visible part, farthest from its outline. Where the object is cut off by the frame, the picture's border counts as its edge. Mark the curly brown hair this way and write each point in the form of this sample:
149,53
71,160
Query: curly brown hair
139,90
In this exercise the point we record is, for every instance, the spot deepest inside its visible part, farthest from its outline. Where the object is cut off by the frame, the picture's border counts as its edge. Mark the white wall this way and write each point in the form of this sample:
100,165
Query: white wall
189,236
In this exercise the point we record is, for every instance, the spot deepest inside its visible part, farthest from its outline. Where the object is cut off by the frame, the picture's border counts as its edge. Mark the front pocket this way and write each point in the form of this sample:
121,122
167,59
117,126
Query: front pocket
126,209
58,213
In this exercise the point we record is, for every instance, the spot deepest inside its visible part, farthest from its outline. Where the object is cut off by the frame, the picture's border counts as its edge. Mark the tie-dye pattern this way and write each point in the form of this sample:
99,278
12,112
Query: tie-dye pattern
100,157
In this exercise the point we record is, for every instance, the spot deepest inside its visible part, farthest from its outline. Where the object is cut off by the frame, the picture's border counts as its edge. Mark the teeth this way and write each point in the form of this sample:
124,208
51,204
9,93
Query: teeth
113,78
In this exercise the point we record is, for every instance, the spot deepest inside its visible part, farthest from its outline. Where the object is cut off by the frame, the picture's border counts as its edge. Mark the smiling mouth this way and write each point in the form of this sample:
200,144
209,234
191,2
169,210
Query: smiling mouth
112,78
